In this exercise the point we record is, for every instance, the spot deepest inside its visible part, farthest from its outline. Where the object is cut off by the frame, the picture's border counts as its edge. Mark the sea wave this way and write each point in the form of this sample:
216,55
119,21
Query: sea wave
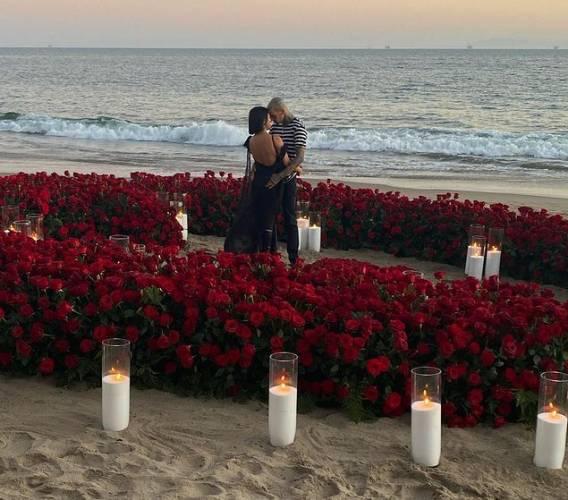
409,140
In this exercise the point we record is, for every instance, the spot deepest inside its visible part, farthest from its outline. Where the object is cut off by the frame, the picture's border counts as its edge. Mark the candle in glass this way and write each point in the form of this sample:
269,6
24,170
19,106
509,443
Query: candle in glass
426,416
23,226
10,213
477,257
36,221
181,217
282,398
551,422
303,221
122,240
494,249
116,384
314,232
474,230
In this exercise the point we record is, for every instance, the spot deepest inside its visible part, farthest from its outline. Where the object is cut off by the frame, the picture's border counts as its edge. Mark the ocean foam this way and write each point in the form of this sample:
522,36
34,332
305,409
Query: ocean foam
447,142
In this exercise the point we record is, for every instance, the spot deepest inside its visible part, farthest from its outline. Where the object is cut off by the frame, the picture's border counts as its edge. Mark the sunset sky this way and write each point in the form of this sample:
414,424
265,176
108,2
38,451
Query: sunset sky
293,23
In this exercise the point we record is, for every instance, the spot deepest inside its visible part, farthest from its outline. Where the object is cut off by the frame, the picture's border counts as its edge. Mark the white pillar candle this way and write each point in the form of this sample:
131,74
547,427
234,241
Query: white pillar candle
315,238
303,233
492,263
550,440
476,266
182,219
426,421
116,402
469,252
282,402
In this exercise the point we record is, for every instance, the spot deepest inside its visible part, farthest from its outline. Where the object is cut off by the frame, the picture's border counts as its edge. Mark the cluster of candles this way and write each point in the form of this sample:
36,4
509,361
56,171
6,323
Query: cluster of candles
426,407
31,226
484,252
309,228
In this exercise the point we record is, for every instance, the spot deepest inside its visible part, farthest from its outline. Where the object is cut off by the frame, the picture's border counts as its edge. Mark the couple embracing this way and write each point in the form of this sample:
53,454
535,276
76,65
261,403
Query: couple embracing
277,144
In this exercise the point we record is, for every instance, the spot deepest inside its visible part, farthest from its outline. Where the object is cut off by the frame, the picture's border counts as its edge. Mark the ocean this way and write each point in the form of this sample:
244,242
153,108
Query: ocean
452,114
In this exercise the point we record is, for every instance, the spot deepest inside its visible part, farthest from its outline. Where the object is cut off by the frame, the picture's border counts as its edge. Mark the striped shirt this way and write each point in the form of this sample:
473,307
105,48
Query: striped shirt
293,134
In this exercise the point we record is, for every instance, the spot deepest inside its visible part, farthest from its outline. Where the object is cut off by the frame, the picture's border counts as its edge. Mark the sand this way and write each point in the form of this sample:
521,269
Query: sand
52,446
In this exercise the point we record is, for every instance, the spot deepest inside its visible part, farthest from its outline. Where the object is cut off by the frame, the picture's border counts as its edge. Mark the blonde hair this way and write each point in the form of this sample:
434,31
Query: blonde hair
277,103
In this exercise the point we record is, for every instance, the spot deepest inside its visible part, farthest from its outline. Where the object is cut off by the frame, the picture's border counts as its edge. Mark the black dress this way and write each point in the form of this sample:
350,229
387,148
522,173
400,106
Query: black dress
252,227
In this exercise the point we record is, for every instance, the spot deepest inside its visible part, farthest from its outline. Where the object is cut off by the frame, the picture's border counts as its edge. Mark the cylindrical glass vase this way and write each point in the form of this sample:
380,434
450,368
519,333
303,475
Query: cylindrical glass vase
36,221
121,240
426,415
116,384
10,213
23,226
282,398
551,422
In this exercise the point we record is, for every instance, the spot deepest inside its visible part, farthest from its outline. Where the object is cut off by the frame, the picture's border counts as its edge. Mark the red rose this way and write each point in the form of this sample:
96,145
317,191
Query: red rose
371,393
86,345
244,332
327,387
165,320
474,379
17,331
276,344
231,326
5,359
71,361
475,397
26,311
173,336
23,349
499,422
151,313
256,319
46,366
487,358
132,333
163,342
474,348
509,346
378,365
184,356
393,404
61,345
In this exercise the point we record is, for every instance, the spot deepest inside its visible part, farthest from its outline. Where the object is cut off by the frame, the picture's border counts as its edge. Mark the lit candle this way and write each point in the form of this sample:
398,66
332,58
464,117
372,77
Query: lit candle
116,384
477,257
116,401
426,418
315,238
303,233
467,261
493,262
550,438
282,399
181,217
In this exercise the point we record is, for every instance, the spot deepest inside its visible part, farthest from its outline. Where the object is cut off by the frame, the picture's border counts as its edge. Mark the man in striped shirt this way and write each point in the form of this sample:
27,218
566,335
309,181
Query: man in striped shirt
295,137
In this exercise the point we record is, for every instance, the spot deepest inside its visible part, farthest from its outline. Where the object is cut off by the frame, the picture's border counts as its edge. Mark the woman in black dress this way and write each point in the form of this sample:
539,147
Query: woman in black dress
252,228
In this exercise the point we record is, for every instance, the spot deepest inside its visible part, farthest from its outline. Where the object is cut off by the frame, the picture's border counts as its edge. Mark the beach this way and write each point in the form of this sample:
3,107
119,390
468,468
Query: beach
52,446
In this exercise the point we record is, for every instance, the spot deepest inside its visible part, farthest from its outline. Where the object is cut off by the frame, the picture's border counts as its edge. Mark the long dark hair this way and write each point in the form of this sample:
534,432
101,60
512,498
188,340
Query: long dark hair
257,117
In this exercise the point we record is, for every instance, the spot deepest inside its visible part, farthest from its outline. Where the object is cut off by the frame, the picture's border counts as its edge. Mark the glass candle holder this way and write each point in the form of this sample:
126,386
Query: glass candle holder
282,398
164,197
477,257
36,221
10,213
303,209
494,249
23,226
426,415
116,384
474,230
314,232
551,422
121,240
139,248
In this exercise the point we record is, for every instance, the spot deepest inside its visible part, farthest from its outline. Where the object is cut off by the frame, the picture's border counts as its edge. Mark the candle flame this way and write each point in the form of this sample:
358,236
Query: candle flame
427,401
283,381
553,412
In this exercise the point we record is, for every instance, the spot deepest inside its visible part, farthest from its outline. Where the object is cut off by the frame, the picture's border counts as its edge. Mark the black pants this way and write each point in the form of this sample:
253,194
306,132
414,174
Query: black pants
290,223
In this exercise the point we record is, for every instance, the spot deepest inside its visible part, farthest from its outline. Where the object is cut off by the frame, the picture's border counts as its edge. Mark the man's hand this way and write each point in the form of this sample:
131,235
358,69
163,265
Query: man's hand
274,180
299,169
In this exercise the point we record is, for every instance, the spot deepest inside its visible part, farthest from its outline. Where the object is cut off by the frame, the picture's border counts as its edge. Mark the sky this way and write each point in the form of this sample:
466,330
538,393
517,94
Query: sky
285,24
